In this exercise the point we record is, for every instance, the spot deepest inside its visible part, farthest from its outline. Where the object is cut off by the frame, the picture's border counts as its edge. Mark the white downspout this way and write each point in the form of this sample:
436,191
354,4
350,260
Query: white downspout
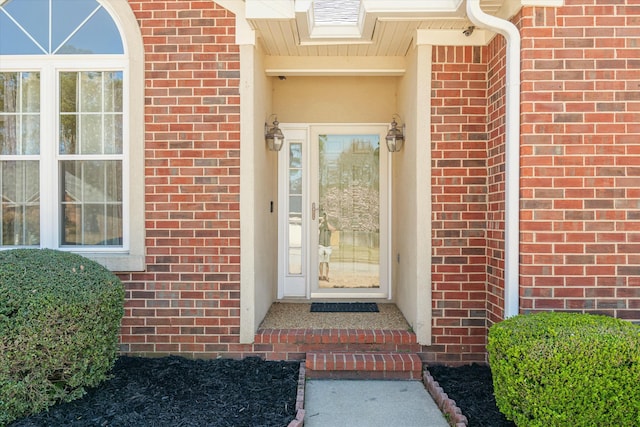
512,152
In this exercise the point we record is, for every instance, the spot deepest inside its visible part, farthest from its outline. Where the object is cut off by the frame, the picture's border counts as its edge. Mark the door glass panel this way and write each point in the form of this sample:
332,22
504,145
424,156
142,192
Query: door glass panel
295,210
349,211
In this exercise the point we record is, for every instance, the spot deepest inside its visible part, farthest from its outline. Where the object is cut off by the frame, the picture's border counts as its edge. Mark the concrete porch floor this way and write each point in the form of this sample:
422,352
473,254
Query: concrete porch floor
298,316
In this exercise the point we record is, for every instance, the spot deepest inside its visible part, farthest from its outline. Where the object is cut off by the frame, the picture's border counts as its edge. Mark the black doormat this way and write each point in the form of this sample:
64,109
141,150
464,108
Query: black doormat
344,307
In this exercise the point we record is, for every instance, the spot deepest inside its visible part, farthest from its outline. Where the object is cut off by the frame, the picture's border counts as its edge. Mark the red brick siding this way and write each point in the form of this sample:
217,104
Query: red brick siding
496,79
188,299
580,181
580,166
459,202
580,186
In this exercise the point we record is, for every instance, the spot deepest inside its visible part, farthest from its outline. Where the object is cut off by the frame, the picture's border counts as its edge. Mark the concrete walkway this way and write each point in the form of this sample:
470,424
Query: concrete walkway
370,403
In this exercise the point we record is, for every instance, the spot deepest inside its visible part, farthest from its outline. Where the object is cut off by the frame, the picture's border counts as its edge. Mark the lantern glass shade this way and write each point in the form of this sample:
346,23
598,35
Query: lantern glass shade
273,136
394,138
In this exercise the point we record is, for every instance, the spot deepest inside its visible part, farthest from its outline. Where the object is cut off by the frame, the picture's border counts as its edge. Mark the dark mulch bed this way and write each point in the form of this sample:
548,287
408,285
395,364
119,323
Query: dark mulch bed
471,387
174,391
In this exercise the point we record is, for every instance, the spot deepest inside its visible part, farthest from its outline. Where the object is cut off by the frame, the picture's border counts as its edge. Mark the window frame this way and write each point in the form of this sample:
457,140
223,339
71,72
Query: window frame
130,256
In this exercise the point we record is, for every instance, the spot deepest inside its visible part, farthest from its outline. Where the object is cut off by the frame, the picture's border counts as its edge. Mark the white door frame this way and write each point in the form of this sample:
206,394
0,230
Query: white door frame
304,285
292,285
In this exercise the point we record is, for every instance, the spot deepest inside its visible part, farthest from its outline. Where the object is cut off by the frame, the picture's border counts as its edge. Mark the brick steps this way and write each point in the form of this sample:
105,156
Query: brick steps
346,353
363,365
294,344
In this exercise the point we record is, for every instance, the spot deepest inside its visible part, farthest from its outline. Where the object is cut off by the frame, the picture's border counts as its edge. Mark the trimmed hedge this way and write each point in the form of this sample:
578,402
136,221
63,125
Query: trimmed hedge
60,317
566,369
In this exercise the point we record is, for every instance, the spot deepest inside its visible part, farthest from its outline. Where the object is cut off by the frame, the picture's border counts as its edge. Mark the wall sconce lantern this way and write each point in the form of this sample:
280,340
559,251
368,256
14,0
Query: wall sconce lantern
273,135
395,137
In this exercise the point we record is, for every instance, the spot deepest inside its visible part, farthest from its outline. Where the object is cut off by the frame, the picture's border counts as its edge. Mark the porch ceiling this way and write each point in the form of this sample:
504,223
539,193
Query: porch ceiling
378,28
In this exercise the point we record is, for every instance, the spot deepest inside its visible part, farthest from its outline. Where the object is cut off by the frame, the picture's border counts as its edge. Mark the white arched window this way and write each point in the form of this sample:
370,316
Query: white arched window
66,155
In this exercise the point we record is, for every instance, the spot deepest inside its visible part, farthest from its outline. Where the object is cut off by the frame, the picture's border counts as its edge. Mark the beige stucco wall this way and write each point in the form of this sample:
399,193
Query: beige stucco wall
258,275
266,192
411,198
340,99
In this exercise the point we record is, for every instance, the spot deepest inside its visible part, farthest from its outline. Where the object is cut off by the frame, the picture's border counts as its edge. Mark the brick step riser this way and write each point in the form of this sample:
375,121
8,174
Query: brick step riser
364,375
294,352
363,348
335,336
365,365
294,344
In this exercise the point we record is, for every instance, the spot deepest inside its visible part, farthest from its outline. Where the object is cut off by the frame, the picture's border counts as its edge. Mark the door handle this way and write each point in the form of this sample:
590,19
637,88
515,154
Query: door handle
314,210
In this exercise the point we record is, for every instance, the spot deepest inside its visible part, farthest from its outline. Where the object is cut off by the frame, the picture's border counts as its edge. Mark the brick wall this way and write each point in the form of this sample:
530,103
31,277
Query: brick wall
188,299
459,203
580,219
496,79
580,166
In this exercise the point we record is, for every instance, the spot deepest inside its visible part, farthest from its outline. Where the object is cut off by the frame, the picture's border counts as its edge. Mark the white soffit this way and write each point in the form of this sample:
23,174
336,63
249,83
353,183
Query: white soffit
378,28
347,21
355,20
317,24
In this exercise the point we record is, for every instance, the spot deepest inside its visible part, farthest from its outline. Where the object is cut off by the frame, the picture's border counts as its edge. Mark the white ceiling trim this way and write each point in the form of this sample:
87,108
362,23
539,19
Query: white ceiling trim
411,9
334,65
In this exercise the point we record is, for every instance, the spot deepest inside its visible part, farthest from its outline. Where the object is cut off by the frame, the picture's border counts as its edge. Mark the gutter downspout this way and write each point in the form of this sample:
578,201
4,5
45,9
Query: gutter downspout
512,152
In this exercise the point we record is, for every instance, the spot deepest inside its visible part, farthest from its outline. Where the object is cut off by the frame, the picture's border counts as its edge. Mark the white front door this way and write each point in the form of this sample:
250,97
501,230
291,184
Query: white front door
334,212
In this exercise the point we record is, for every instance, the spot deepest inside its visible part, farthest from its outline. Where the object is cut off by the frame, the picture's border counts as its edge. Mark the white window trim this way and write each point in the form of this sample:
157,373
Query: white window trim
131,257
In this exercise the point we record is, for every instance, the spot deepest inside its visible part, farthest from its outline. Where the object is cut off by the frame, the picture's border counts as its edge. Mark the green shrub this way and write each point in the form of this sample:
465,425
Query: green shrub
564,369
59,322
